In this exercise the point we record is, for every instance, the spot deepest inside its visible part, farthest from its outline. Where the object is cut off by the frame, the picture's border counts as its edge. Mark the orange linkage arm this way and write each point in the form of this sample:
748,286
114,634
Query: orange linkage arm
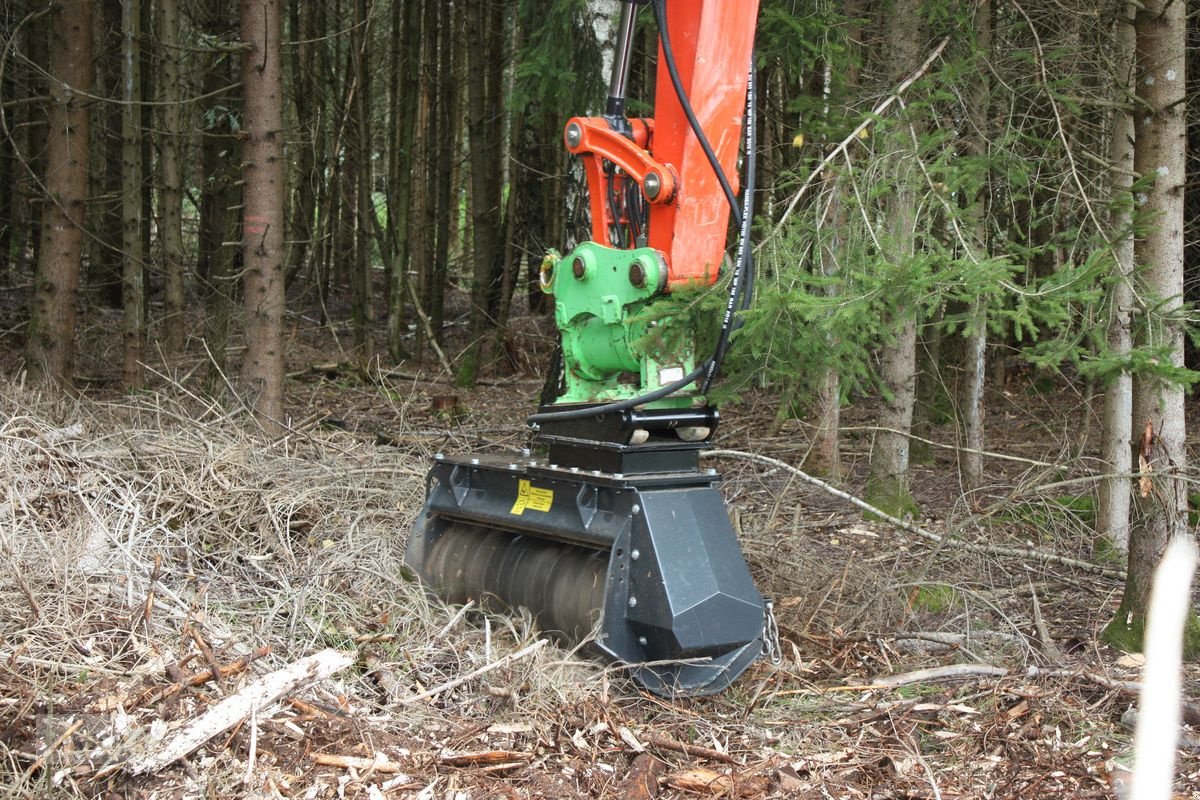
596,142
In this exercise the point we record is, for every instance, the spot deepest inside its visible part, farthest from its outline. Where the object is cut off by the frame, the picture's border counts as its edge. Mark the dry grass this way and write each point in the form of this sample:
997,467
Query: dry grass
296,544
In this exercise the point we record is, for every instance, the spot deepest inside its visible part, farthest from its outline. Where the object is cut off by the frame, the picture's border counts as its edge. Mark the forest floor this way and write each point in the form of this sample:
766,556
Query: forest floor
148,541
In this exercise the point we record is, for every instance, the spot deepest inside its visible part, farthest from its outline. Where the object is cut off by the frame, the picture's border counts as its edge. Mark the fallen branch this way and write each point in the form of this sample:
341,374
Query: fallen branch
951,672
641,782
429,334
41,760
508,659
234,709
701,781
379,763
917,530
484,759
694,750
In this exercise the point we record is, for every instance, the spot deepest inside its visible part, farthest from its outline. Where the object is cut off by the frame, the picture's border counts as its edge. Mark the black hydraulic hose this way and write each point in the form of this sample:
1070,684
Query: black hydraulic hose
741,292
742,282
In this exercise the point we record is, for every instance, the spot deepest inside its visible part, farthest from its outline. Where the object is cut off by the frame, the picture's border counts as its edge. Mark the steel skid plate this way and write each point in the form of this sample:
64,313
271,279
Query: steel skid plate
648,564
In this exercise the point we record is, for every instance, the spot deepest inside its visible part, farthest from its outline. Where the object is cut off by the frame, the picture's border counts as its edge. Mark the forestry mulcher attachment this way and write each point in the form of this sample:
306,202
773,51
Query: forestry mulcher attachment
611,527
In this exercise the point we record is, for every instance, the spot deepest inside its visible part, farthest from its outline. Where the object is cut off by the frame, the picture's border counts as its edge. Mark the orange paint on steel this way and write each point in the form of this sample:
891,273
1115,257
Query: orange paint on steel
712,41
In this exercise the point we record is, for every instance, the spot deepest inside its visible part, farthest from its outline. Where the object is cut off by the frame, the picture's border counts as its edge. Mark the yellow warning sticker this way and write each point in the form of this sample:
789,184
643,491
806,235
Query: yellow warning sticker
529,496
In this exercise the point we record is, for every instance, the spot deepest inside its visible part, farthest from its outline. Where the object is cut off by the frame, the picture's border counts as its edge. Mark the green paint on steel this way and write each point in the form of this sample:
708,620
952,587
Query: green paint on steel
598,294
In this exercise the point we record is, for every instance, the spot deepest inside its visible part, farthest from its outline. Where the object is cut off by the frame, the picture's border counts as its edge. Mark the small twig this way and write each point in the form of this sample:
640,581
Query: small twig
508,659
486,758
1051,650
204,676
148,605
206,651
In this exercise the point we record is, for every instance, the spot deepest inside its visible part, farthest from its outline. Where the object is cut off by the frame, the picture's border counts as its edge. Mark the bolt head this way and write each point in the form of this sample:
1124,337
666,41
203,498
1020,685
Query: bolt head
652,185
632,602
635,554
578,268
637,275
574,134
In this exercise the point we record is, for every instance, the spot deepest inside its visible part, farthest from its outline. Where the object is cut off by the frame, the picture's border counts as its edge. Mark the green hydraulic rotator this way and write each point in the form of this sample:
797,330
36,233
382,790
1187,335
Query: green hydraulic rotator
611,350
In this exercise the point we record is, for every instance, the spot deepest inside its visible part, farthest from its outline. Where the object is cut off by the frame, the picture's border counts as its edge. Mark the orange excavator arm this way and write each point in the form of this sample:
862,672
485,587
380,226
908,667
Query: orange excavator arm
688,212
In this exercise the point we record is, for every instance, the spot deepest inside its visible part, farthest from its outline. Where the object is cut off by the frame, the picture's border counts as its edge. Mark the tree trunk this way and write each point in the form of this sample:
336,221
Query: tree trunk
308,175
133,288
485,127
1112,516
105,263
824,456
405,58
360,110
262,220
450,38
1159,152
219,194
975,356
888,484
423,225
171,197
50,345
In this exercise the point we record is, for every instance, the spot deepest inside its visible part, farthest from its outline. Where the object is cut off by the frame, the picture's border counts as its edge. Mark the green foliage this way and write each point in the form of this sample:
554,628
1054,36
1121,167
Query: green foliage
558,66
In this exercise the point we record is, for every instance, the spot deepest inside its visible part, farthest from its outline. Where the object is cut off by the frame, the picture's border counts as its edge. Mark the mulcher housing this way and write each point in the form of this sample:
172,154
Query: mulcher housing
648,561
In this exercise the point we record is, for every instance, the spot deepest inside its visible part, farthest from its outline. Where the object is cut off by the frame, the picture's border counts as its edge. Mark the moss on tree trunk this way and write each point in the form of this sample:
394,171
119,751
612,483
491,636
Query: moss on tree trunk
1127,632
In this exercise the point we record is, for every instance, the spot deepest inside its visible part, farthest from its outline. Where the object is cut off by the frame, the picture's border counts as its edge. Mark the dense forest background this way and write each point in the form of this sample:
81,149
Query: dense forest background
949,194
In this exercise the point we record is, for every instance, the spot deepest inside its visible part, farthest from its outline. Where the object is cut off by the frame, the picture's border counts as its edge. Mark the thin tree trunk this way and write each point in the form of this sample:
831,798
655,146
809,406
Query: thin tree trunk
133,288
263,218
485,121
219,195
450,39
308,174
824,456
171,198
105,263
405,58
423,227
888,484
975,362
1160,132
361,111
50,345
1112,517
